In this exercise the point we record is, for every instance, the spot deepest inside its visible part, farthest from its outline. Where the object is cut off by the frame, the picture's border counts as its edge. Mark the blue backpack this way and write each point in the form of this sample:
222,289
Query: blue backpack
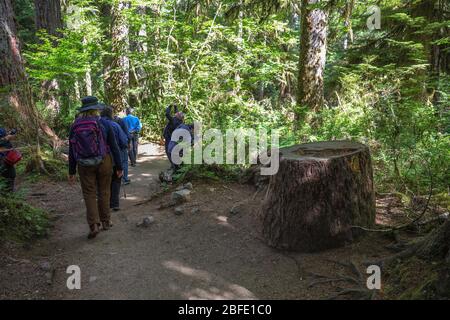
88,142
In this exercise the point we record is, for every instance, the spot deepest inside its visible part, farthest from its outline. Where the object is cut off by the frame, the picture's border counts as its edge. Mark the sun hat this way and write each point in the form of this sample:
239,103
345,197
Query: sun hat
90,103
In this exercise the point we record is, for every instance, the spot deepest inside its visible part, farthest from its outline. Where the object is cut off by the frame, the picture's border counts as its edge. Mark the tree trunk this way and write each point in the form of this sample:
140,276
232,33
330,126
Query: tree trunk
348,9
313,47
436,245
48,18
138,44
117,76
15,90
240,45
319,192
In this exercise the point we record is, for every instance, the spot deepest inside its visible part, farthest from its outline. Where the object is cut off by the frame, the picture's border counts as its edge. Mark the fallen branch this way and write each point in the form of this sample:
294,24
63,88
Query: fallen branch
152,197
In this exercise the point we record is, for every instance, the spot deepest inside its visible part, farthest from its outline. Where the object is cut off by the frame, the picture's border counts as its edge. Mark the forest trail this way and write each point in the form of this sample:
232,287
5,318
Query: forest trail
211,254
189,256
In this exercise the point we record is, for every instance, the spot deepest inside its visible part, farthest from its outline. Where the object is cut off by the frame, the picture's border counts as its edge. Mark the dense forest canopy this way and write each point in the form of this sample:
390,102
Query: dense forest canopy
311,68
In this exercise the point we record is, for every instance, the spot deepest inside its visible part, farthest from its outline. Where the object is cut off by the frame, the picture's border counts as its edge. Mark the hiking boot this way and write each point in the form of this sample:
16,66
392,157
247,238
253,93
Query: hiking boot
106,225
94,231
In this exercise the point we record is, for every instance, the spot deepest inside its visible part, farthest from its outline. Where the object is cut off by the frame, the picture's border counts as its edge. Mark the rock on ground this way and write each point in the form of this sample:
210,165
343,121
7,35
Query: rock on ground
181,196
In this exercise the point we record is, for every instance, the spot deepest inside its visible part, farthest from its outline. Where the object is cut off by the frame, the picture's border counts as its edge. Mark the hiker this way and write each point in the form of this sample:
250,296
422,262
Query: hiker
134,127
172,124
8,158
173,143
92,149
122,142
124,153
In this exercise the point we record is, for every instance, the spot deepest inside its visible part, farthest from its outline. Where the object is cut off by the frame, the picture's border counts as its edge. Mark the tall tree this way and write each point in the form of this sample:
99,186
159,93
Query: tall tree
240,39
117,70
313,47
15,90
348,9
48,18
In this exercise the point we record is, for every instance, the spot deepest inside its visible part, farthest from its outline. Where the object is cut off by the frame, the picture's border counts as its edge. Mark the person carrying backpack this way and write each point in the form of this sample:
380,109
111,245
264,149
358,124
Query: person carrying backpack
172,124
8,158
134,127
92,150
122,142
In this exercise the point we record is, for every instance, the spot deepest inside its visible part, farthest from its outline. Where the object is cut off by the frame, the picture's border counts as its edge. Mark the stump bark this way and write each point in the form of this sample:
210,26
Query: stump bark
319,192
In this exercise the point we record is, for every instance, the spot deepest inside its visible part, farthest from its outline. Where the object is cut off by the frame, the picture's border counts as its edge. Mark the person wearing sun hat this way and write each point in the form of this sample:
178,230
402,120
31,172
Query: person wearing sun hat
93,150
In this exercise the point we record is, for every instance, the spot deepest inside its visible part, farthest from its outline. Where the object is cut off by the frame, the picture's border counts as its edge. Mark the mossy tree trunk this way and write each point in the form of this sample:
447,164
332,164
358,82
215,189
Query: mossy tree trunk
118,64
48,18
15,91
313,48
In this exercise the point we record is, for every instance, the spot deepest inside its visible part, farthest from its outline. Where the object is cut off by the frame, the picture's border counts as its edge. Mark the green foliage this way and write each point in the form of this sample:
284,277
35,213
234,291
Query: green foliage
415,279
20,221
24,11
194,172
229,70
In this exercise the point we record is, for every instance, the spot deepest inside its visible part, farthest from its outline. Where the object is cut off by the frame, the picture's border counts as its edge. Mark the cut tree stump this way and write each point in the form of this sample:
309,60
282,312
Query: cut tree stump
319,192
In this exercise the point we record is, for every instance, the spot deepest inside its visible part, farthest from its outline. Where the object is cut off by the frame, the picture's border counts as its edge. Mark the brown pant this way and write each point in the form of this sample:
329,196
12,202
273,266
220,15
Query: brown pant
96,186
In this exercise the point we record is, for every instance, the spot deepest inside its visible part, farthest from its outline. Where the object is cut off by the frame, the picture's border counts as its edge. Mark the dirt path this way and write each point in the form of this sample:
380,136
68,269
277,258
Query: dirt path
189,256
211,254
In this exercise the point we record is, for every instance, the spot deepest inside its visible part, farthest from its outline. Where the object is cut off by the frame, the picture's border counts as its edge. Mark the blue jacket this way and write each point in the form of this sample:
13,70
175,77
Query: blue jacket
119,134
133,123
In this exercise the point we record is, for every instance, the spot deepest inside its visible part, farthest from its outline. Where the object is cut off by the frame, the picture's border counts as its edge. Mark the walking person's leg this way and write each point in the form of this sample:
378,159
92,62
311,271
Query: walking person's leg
115,191
104,175
124,156
88,180
131,151
136,147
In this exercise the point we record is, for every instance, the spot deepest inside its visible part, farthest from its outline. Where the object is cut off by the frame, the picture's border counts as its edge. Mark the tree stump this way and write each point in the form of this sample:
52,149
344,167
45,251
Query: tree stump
319,192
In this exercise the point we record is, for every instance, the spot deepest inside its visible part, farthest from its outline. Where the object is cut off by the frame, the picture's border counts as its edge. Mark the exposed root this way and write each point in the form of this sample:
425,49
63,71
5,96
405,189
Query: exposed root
152,197
383,263
434,246
356,278
356,293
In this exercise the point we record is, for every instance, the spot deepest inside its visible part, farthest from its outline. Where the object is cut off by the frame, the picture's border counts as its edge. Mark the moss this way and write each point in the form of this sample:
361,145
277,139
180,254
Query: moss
422,291
412,279
442,199
207,172
53,167
19,221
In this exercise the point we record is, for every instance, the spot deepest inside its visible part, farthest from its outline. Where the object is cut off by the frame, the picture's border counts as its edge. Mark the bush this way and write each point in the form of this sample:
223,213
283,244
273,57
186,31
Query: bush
20,221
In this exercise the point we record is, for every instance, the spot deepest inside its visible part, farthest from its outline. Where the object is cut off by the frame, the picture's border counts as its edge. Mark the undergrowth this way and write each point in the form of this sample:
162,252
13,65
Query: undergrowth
20,221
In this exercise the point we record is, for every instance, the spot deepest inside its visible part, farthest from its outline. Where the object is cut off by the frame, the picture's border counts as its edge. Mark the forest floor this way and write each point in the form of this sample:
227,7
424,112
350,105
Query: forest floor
210,254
